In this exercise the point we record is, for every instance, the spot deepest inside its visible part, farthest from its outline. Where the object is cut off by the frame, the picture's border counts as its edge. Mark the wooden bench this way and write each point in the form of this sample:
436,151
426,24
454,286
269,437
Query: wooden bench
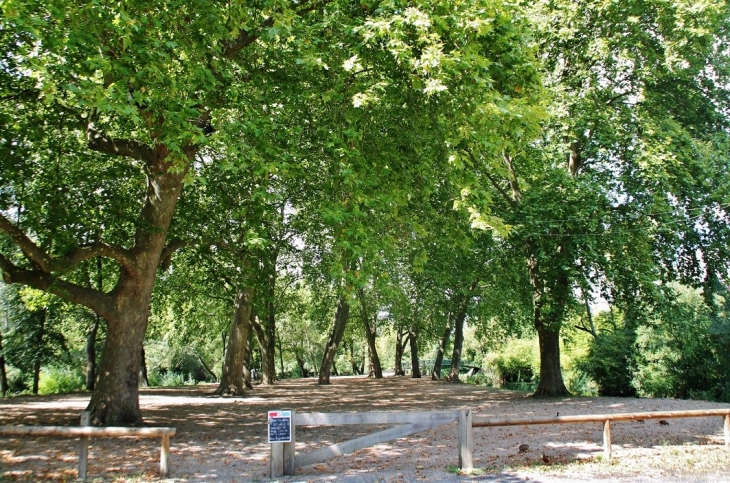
85,432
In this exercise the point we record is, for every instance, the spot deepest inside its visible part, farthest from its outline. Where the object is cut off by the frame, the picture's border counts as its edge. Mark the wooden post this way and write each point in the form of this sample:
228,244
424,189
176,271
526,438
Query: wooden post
165,457
290,464
84,446
466,445
607,441
276,461
727,431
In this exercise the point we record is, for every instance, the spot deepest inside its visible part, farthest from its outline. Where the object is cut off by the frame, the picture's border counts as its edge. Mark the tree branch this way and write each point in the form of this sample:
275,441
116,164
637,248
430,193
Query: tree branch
47,264
171,247
96,300
38,257
119,147
94,250
244,39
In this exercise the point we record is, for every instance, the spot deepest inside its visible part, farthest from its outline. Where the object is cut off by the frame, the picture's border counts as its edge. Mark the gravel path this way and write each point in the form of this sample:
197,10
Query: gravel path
224,439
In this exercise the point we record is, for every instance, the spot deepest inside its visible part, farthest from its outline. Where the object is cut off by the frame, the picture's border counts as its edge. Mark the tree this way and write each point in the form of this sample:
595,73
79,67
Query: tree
156,119
626,153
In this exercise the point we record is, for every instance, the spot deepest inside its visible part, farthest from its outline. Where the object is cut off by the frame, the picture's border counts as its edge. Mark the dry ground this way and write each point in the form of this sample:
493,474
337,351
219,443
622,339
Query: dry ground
224,439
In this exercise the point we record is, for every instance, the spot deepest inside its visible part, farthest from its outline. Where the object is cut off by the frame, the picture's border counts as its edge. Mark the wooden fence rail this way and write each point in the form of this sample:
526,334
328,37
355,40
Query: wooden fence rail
86,432
284,459
606,419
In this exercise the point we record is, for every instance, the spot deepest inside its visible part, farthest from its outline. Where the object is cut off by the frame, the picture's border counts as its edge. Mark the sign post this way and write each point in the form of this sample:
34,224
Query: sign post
281,438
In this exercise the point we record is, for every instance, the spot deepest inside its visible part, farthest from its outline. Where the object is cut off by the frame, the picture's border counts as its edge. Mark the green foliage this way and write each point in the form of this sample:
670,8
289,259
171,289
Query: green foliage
517,361
610,362
678,354
61,380
678,351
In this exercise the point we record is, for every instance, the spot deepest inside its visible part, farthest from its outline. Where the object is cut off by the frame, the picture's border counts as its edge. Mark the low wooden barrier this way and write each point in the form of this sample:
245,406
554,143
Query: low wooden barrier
606,419
85,432
284,460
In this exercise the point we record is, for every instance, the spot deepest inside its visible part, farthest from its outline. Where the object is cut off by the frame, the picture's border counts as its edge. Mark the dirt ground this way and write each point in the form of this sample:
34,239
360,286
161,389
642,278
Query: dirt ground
224,439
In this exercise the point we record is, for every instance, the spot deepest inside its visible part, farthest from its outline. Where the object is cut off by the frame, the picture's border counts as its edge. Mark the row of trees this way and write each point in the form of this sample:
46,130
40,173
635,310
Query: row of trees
409,164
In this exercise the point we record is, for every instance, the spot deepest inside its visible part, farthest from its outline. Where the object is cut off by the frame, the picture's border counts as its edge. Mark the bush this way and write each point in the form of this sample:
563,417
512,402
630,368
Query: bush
55,380
609,363
170,379
518,361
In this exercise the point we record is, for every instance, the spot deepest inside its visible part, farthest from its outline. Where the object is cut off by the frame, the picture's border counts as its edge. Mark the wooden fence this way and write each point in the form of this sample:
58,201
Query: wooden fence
84,432
284,459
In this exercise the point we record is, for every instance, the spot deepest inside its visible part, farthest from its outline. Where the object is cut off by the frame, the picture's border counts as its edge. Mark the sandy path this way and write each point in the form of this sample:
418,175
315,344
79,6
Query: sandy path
224,439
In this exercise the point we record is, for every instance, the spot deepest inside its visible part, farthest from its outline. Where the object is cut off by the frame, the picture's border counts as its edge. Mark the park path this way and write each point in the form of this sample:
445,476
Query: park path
224,439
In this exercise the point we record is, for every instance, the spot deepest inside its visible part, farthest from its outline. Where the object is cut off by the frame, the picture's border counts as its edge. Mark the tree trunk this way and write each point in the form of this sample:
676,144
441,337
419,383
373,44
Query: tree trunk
207,369
458,345
401,339
91,353
551,377
266,335
548,309
39,351
247,360
354,364
376,369
115,401
300,362
338,330
143,381
3,374
232,380
443,342
415,364
281,355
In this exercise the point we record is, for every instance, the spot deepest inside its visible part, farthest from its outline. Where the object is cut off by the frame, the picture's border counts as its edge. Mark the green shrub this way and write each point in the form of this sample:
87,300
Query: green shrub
580,384
55,380
609,363
518,361
170,379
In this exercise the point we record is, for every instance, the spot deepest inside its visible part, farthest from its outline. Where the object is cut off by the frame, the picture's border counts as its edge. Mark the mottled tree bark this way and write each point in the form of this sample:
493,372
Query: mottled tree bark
232,379
338,330
3,375
247,360
401,339
376,369
415,363
266,334
548,310
443,342
143,381
91,353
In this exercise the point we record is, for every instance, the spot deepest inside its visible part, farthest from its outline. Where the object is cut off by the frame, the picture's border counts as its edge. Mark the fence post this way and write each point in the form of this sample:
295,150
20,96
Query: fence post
607,441
276,462
84,446
289,448
727,431
465,440
165,456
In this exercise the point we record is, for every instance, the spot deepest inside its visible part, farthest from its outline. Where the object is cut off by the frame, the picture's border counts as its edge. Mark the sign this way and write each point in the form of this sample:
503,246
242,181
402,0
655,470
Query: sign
279,426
